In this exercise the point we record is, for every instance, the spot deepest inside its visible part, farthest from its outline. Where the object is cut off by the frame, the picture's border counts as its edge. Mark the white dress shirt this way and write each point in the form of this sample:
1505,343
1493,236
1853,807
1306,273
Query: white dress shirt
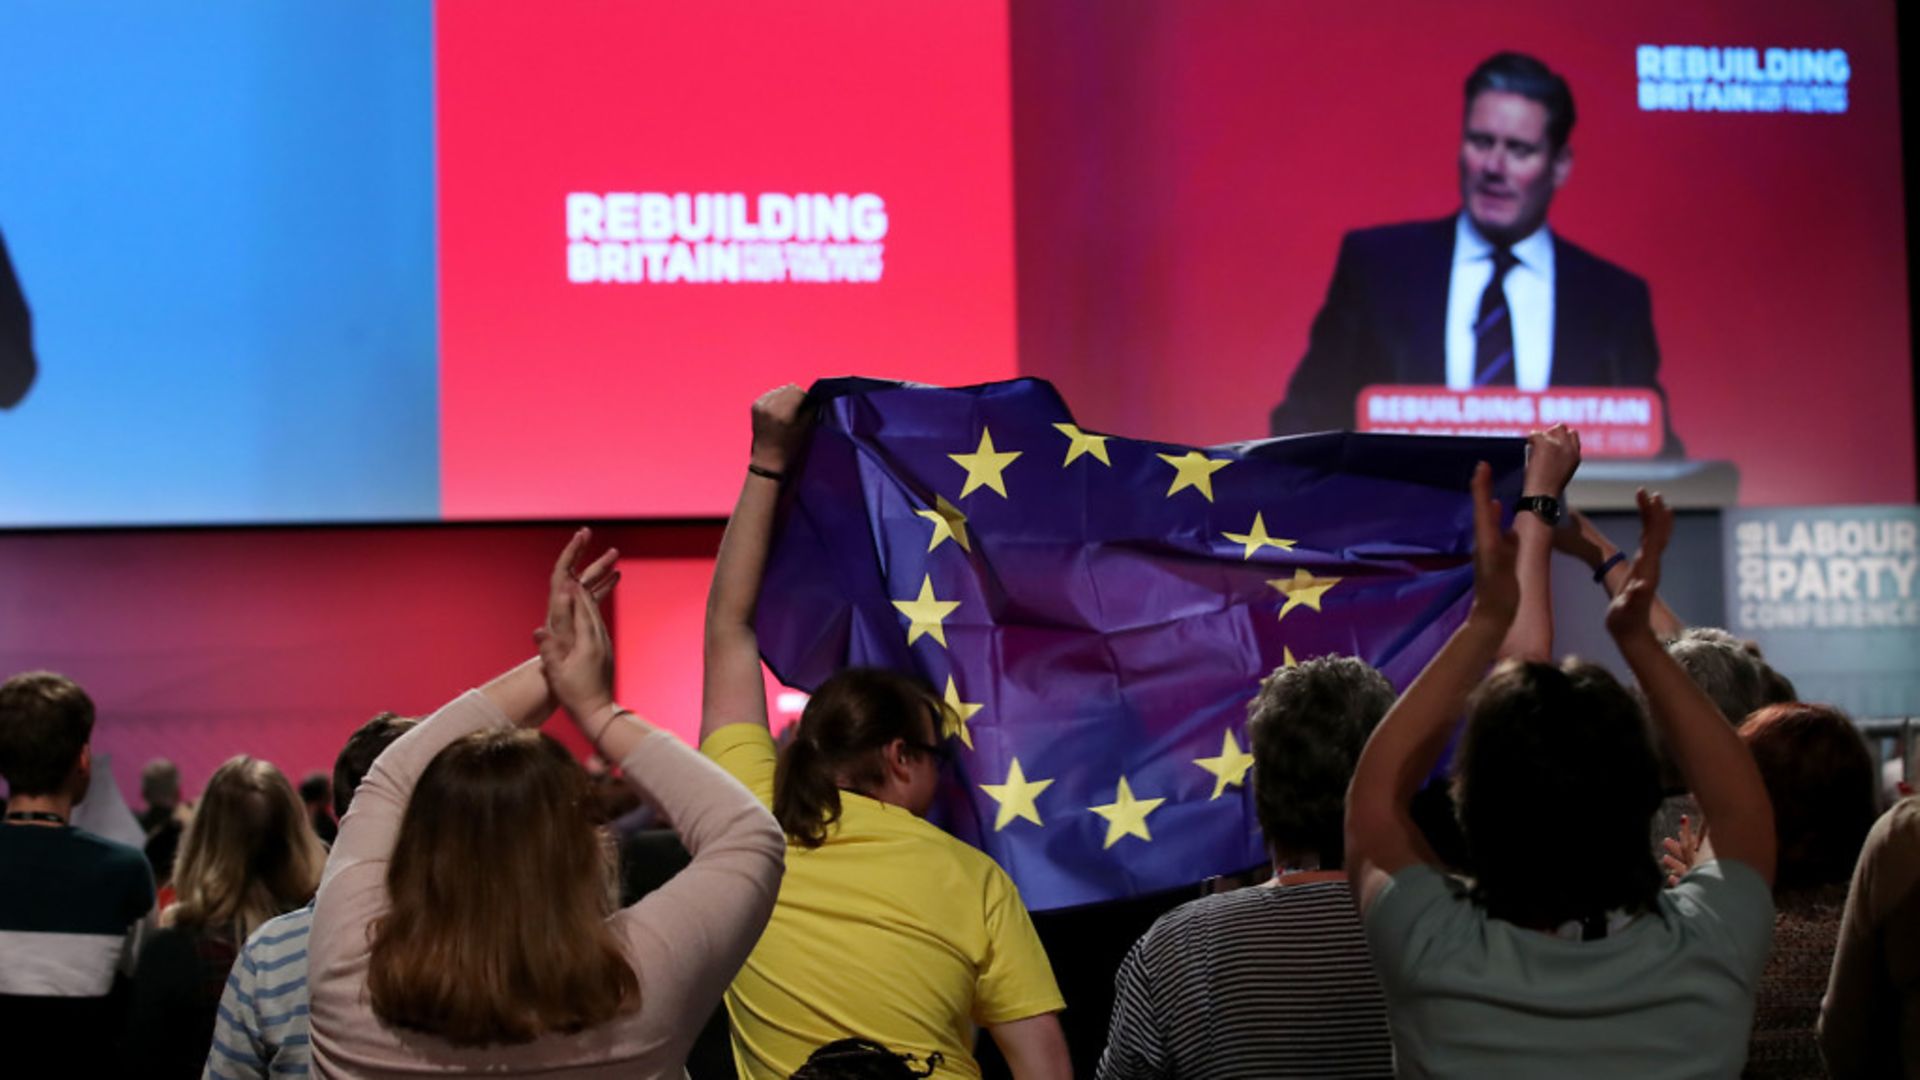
1529,288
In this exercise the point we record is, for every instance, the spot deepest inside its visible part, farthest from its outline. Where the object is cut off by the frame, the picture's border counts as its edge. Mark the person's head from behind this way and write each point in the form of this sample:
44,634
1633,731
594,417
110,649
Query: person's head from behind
1556,784
363,747
1307,725
865,730
1821,779
46,728
1517,119
248,854
1731,671
524,949
160,784
862,1059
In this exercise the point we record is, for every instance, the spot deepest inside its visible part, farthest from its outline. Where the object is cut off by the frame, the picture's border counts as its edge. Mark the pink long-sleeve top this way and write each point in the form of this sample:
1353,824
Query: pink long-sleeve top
685,940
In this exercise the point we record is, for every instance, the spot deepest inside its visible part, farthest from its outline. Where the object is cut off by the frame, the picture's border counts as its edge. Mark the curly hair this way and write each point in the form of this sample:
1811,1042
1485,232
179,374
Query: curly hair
1556,783
1732,672
1307,725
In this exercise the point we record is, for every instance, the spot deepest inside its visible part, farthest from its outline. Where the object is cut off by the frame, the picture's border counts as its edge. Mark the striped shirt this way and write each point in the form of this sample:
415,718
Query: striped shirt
261,1028
1258,982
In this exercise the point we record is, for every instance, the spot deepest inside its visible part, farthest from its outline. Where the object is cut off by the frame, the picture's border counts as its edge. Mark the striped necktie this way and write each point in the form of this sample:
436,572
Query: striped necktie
1493,329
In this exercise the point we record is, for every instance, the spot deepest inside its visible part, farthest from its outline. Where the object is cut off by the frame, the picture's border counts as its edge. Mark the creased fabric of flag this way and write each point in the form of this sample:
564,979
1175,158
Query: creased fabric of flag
1098,610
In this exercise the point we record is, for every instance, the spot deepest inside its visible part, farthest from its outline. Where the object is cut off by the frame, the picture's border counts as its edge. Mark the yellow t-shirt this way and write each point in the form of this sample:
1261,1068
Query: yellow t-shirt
891,930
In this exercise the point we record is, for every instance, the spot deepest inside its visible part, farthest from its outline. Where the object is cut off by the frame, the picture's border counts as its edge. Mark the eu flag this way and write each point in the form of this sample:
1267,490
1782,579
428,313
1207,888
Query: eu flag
1098,610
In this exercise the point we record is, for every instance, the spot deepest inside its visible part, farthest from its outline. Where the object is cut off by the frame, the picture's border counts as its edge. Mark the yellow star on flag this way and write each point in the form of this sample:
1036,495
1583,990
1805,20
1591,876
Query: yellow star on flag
948,524
1229,768
984,465
1302,590
1286,657
1126,815
925,613
958,713
1083,443
1016,797
1258,538
1194,469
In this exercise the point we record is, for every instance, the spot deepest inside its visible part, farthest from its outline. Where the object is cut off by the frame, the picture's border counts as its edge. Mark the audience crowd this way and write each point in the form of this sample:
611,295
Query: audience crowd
1689,875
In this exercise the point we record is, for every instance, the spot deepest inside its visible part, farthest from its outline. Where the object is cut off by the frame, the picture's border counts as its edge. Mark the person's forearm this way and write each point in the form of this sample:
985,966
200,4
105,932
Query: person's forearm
1405,746
1035,1048
614,730
731,670
1666,624
1531,635
522,694
1713,761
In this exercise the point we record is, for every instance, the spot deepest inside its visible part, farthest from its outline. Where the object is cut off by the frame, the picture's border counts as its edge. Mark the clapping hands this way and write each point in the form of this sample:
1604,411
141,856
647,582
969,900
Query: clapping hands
576,653
1496,585
1629,613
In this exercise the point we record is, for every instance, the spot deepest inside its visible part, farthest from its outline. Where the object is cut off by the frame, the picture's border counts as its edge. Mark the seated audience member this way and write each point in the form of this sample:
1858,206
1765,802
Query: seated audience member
160,790
862,1059
1820,778
1732,672
262,1019
247,856
887,928
1870,1019
71,903
1738,679
316,791
467,923
1274,980
1565,958
164,819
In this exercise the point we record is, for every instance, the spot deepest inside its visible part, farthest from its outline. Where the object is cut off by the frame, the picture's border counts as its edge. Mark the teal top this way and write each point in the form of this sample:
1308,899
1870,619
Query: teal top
1669,994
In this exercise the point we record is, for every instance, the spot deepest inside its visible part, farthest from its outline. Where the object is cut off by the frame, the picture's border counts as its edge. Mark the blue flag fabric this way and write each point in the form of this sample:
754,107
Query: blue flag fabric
1098,611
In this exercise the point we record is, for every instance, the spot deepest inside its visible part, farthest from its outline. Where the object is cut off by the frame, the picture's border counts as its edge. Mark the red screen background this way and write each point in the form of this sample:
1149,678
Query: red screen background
650,382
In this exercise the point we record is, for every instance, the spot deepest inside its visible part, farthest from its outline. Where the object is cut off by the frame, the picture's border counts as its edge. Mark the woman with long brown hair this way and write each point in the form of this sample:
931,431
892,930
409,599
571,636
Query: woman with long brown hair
468,921
248,854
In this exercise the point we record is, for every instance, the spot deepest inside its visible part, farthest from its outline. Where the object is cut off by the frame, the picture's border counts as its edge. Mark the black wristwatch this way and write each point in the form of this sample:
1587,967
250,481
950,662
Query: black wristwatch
1546,506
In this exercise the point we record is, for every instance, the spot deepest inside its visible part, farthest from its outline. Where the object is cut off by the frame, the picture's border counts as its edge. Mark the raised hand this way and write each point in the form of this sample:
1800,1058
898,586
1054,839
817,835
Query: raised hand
1683,852
1552,457
575,650
1630,611
1496,585
778,427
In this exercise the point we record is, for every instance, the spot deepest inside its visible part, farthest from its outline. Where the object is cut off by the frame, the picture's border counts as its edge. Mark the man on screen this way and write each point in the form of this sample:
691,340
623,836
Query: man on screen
1488,297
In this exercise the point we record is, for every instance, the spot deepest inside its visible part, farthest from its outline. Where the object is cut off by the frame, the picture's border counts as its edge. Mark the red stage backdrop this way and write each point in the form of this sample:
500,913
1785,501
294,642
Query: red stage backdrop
1185,173
651,213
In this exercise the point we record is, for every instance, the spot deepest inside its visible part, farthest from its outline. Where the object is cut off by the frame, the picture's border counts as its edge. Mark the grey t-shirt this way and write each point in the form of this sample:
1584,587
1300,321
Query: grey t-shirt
1668,995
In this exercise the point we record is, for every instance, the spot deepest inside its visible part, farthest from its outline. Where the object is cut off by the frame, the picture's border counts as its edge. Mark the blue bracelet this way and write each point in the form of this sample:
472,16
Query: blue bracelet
1613,560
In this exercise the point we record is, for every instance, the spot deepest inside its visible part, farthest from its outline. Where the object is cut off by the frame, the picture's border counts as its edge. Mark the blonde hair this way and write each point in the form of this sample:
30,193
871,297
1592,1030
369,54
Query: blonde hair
523,949
248,854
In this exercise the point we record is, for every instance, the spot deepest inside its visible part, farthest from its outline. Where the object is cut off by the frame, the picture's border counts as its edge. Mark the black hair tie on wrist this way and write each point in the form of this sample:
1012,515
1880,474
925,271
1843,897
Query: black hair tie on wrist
776,477
1613,560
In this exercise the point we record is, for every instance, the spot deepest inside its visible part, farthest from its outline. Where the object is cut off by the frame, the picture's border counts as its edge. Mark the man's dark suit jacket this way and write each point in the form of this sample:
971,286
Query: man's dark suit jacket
1385,321
17,367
